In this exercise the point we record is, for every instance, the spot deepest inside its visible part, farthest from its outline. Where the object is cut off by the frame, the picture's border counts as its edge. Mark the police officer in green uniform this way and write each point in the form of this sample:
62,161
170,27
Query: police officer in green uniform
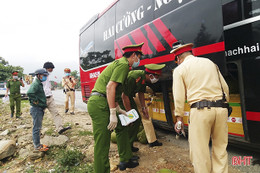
13,85
103,109
136,83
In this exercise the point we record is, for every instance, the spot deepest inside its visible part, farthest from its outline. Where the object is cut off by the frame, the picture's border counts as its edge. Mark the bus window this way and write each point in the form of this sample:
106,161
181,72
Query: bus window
87,48
251,8
231,11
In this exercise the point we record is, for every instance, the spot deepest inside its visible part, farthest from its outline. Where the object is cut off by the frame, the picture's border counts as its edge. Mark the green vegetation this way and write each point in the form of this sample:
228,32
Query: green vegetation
6,70
85,133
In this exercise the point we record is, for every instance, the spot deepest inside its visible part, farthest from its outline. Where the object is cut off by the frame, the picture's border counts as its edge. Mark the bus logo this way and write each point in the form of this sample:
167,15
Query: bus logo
94,75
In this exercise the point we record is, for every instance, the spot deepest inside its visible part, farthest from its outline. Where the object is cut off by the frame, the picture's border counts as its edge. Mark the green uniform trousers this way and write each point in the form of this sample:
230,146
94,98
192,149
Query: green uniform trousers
99,112
17,99
133,128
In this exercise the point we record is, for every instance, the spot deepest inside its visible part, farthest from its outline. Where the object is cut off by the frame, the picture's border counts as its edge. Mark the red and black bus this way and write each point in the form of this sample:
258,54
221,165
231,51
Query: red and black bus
227,32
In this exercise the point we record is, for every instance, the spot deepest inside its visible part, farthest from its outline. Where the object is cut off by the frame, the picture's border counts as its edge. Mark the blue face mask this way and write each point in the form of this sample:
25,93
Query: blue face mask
67,74
136,64
44,78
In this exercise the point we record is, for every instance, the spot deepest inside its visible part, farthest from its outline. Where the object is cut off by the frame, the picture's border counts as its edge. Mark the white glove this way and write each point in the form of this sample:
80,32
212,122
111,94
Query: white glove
113,119
121,111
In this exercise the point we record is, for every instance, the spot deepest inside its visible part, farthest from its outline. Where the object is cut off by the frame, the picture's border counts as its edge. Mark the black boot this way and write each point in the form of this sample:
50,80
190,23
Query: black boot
155,143
135,158
135,149
130,164
66,110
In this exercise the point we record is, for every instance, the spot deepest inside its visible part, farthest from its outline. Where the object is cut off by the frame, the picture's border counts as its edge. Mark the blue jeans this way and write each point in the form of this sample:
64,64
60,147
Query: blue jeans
37,115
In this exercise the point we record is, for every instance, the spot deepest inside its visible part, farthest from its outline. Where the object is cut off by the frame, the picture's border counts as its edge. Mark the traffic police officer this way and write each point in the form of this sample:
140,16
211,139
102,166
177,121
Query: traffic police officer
136,83
103,109
69,83
14,86
199,81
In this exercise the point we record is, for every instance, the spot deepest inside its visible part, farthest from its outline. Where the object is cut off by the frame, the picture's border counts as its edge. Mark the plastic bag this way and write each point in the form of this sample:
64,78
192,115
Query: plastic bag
5,99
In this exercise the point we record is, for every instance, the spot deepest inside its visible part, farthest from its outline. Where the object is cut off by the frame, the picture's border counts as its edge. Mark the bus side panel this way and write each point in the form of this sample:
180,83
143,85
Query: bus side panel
243,47
96,51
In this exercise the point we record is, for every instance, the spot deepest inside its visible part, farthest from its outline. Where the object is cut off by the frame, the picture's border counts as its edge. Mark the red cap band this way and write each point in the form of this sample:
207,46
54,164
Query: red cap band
154,71
15,73
133,49
185,49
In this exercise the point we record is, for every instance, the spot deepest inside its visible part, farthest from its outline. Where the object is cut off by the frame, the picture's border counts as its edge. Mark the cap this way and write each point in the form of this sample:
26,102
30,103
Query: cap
15,73
179,48
48,65
41,71
154,68
67,70
133,48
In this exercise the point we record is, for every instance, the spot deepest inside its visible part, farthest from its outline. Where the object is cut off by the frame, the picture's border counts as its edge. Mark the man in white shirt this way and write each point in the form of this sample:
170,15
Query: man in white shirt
51,106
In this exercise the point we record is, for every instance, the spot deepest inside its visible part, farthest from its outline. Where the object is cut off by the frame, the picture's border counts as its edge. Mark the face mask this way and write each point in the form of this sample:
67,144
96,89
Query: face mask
67,74
44,78
154,80
15,77
136,64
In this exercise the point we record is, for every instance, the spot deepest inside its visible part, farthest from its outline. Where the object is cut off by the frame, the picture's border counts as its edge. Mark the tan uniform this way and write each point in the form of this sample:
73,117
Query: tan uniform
69,86
197,79
147,123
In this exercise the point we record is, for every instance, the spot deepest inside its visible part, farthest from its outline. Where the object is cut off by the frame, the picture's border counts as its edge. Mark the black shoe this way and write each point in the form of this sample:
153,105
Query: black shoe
72,113
64,129
66,110
135,149
156,143
130,164
135,158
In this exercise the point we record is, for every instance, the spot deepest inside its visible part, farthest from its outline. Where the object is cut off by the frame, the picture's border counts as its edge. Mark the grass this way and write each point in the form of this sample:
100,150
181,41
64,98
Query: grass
50,132
85,133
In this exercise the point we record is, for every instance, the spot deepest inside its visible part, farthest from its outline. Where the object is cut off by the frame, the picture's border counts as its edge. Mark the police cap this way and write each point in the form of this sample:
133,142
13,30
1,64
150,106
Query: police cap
154,68
179,48
15,73
133,48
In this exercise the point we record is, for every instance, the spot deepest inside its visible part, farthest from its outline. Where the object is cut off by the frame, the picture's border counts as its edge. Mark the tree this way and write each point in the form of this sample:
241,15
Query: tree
6,70
76,76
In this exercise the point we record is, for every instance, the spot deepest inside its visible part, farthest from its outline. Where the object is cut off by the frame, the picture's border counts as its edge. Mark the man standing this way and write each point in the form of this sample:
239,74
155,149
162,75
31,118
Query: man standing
199,81
136,83
14,86
68,83
37,100
50,100
103,108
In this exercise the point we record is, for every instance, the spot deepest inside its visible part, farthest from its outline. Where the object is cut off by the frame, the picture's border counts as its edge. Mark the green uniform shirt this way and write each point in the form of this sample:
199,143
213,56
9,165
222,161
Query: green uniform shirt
117,71
36,94
135,83
14,86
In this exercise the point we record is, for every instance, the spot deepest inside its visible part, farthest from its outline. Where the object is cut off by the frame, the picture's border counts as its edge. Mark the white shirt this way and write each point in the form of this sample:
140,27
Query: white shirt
47,87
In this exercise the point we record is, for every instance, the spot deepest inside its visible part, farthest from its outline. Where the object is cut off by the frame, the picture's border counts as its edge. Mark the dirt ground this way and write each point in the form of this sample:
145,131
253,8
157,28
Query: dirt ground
174,154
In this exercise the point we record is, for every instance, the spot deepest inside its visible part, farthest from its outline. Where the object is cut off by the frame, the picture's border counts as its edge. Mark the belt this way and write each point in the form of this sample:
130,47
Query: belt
47,97
209,104
67,90
97,94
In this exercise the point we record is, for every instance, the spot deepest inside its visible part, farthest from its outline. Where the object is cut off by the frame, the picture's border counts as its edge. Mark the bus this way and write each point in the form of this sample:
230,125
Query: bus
227,32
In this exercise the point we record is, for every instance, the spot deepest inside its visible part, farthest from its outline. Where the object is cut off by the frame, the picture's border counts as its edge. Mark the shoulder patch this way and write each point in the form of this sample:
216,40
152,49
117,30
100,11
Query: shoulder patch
143,82
138,79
